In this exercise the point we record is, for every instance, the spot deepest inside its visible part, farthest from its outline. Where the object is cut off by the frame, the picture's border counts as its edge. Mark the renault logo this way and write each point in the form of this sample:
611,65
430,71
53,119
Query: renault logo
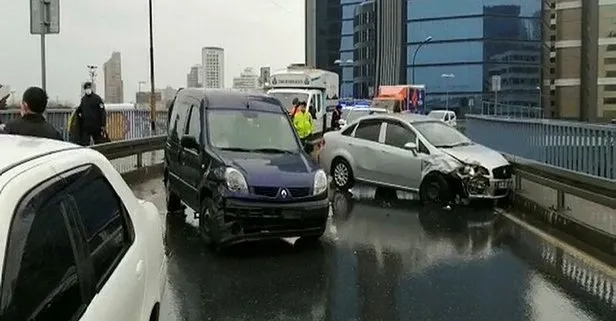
284,193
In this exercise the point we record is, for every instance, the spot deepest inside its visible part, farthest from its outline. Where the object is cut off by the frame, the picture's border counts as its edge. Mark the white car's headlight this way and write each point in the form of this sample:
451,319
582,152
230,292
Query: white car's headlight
320,182
236,182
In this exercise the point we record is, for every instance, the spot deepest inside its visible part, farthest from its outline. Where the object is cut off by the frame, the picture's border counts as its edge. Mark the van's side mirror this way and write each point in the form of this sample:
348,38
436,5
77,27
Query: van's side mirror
189,142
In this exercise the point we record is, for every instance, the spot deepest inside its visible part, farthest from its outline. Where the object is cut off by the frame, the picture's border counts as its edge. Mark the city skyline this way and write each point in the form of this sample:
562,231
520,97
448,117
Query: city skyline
122,26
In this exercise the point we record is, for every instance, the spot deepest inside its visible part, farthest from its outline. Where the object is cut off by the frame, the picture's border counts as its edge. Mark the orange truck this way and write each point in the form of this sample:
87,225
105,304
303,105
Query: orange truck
402,98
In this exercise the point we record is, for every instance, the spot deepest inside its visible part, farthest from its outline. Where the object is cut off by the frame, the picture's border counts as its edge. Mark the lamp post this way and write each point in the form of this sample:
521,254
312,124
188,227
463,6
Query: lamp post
428,39
447,76
152,85
92,72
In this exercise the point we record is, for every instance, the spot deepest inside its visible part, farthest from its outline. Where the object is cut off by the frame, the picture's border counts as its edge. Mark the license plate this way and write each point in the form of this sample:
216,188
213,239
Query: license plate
503,185
291,215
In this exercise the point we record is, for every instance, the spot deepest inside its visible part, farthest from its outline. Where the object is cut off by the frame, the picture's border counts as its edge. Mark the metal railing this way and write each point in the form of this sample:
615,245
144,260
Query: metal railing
578,204
121,123
581,147
134,154
490,108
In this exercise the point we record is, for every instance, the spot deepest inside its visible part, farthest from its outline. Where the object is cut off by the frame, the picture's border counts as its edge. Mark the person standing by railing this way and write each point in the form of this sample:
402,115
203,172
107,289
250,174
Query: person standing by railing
32,122
92,117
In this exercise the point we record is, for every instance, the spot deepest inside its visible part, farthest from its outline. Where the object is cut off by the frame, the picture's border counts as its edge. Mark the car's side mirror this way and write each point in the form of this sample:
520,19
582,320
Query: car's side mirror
410,146
342,122
189,142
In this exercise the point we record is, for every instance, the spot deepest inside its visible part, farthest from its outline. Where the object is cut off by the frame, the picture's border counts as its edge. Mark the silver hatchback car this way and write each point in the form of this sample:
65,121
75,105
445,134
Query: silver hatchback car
415,153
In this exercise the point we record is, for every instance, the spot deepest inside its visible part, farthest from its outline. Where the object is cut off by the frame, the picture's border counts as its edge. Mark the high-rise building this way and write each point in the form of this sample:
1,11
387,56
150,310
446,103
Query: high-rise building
471,41
324,30
580,82
114,85
364,75
194,78
213,62
264,75
247,81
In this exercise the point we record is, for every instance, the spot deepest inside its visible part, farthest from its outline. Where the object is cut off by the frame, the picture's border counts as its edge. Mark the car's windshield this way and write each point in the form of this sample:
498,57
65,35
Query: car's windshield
388,104
286,99
250,131
354,114
440,134
436,114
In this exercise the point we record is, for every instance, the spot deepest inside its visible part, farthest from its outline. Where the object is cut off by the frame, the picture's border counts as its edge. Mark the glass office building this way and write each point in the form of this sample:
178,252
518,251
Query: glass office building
473,40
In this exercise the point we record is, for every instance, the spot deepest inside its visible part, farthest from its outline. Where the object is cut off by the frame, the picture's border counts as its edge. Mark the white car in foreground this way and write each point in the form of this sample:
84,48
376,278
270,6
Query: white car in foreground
75,242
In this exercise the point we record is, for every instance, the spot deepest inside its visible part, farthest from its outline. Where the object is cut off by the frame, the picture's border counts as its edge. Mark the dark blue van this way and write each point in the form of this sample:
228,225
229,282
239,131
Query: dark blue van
235,159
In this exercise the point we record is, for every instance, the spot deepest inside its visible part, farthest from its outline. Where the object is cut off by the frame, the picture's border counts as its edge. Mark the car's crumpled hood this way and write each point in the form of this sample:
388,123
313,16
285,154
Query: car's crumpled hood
477,154
288,170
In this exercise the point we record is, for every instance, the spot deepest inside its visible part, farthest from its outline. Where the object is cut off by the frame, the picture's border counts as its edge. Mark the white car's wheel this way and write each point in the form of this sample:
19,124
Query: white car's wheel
342,174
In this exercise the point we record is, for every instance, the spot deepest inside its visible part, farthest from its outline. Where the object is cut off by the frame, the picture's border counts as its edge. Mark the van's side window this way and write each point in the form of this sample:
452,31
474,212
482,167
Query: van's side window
194,124
41,281
108,230
179,117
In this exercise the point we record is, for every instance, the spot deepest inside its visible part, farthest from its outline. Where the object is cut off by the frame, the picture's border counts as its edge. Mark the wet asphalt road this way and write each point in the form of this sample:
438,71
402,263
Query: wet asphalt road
384,260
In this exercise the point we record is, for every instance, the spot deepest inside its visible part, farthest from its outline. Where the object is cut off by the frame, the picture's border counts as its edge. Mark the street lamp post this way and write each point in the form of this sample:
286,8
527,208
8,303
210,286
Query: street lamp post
428,39
92,72
447,76
152,85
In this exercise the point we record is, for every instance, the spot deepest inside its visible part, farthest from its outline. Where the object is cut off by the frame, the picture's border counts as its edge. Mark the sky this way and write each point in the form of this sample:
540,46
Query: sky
254,33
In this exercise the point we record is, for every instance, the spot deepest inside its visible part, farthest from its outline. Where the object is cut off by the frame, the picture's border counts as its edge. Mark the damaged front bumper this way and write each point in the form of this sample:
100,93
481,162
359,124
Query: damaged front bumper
483,187
250,220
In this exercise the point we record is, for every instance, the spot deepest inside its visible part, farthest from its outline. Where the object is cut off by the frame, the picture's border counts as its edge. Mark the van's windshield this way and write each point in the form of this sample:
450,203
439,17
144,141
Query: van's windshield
251,131
286,99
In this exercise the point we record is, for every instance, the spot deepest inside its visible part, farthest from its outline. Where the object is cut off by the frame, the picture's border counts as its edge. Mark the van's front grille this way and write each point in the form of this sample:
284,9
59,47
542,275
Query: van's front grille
268,191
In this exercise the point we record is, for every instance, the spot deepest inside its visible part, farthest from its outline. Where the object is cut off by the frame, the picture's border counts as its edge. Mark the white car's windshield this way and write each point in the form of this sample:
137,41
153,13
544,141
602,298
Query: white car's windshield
437,114
356,113
441,135
286,99
251,131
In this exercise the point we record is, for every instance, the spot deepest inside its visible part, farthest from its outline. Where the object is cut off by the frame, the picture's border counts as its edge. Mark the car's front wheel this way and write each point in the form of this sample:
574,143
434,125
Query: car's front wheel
342,174
211,222
435,190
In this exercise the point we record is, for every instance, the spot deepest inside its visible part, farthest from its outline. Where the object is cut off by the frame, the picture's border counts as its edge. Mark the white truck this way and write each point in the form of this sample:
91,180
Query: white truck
318,88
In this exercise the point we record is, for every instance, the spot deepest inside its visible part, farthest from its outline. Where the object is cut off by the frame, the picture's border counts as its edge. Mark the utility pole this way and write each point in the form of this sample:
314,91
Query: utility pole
92,72
44,20
152,85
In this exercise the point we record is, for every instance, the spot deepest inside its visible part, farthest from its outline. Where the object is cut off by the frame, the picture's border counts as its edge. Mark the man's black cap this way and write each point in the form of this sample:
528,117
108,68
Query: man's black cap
301,103
87,85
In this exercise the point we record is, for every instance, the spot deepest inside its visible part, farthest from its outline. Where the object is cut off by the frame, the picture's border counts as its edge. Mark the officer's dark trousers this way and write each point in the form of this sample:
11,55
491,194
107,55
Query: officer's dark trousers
89,136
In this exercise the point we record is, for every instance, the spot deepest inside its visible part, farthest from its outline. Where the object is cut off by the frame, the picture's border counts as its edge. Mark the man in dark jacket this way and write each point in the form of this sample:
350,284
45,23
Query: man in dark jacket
336,115
92,116
32,122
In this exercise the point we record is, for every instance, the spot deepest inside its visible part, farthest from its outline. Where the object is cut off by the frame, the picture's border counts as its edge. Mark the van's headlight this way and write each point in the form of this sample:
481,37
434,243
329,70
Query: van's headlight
320,182
236,182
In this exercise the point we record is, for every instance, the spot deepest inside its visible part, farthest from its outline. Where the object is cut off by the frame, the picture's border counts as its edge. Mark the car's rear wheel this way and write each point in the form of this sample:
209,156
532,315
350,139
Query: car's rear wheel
435,190
342,174
174,203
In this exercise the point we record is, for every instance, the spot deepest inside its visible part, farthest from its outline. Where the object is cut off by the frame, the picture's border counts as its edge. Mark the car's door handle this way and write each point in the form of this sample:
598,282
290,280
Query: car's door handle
139,269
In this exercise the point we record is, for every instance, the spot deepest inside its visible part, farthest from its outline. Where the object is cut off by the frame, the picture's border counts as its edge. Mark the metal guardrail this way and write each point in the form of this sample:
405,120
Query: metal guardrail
130,156
580,147
592,222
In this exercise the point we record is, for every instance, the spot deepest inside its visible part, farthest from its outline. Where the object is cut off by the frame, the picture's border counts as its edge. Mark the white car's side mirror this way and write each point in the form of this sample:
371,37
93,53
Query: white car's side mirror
342,122
410,146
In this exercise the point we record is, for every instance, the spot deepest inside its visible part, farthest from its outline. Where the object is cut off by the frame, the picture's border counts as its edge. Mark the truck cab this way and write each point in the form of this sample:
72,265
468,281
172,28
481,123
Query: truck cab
318,88
399,99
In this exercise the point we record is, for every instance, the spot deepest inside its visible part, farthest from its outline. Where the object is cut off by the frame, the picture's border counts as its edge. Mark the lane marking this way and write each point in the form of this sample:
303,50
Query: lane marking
584,257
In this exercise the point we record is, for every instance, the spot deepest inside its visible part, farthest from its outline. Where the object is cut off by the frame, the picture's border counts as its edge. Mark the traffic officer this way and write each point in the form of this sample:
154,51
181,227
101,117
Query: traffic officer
303,124
295,107
92,116
32,122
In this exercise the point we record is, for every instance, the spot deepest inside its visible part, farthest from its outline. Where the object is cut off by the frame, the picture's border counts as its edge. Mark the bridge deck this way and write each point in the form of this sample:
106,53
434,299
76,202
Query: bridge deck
387,260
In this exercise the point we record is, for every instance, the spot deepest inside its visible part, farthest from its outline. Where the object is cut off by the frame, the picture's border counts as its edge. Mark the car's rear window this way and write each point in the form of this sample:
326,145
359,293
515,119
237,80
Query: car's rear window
247,129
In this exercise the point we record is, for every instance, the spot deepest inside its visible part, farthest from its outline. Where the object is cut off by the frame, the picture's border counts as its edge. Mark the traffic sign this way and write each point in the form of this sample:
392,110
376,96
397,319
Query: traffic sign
44,17
496,83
